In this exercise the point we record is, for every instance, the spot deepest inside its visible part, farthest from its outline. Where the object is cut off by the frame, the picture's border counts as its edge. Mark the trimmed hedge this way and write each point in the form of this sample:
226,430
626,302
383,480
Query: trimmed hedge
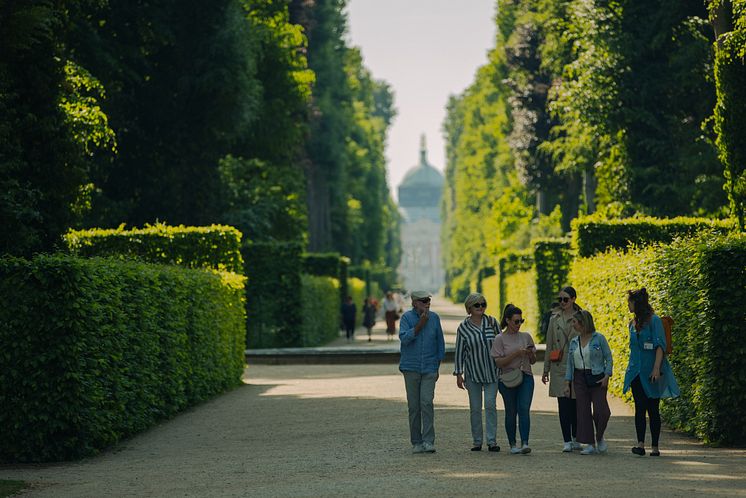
274,280
95,350
592,234
322,264
520,289
552,262
319,310
700,283
215,246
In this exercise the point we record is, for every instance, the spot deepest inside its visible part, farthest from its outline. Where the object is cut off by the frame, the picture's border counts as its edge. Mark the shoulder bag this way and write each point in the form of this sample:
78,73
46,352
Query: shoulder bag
514,378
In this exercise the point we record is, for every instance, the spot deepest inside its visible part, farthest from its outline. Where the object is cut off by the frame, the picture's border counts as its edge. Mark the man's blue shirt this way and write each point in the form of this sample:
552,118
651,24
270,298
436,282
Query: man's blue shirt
424,352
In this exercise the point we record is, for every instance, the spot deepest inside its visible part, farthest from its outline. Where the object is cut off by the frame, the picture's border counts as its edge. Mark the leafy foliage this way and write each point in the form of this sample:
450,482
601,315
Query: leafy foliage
593,234
319,309
104,348
216,246
552,262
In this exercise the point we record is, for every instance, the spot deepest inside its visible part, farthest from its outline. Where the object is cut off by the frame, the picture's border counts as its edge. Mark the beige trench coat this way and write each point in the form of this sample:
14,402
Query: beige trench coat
559,333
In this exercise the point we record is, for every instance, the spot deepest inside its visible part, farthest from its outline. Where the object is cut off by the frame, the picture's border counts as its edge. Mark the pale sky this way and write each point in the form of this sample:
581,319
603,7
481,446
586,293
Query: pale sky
426,50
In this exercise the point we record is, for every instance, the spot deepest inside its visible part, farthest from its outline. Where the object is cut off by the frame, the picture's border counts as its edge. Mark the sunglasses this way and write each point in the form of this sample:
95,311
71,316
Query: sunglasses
424,301
479,305
563,299
518,321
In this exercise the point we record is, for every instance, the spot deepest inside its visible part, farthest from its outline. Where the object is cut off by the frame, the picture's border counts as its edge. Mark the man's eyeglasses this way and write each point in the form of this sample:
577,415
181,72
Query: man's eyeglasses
563,299
424,301
518,321
479,305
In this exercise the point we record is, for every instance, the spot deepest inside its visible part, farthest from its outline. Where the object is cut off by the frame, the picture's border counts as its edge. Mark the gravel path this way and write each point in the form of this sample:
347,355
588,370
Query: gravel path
321,430
341,430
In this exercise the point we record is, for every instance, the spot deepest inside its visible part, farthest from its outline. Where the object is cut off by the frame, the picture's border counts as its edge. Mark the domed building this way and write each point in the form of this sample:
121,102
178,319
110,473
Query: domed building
420,193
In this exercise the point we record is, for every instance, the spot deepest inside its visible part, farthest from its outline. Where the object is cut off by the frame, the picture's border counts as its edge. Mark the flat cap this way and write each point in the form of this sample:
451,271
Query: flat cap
420,294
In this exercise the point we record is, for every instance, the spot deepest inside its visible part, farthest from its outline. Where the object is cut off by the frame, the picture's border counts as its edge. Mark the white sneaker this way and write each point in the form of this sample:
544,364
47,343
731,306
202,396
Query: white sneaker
576,445
515,451
602,446
567,447
417,448
589,450
428,447
525,450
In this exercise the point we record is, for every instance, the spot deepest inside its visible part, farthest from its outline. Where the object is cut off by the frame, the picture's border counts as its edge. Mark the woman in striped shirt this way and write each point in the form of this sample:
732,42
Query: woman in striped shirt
475,369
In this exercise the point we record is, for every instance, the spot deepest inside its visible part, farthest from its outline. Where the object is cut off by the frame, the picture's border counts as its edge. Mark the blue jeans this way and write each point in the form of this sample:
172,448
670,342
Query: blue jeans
517,402
420,393
475,390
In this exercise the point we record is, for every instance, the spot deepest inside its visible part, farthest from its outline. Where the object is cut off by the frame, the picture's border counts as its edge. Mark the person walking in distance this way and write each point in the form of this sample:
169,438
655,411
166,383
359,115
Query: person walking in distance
349,310
559,332
476,371
391,313
422,350
369,315
648,374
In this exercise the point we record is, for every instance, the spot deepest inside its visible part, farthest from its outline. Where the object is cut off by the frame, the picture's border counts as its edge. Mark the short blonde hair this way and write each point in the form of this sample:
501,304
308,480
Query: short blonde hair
585,319
472,299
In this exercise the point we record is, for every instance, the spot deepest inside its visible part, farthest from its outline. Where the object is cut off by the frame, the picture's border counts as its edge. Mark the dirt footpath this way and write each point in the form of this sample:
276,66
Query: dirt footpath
341,430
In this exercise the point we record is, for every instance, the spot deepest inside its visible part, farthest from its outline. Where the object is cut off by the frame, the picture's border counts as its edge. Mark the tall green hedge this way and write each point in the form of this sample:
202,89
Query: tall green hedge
592,235
274,272
321,264
552,262
215,246
700,283
95,350
319,310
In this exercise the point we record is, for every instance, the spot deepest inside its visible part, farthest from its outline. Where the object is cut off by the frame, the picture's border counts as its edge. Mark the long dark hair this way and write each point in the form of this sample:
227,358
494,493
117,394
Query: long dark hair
570,291
508,313
642,309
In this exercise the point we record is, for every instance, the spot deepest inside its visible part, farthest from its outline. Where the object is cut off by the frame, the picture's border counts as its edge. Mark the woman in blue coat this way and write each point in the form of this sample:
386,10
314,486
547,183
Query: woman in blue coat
648,374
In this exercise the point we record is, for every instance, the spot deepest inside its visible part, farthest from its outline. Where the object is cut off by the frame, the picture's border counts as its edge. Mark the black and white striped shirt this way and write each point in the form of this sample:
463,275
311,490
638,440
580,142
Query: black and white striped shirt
473,345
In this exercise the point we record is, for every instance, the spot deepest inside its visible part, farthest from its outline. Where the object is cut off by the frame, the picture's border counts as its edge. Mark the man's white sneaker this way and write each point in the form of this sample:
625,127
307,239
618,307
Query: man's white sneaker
428,447
567,447
602,446
576,445
515,451
525,449
589,450
417,448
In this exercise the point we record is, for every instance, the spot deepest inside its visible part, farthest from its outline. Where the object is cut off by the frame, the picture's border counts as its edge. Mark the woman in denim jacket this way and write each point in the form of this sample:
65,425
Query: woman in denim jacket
589,356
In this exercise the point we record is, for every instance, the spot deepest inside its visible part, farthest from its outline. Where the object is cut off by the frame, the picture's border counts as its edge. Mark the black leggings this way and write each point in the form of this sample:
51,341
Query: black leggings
568,415
644,404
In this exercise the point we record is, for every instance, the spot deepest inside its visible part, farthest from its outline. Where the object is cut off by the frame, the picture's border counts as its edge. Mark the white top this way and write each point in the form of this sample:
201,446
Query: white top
390,305
579,360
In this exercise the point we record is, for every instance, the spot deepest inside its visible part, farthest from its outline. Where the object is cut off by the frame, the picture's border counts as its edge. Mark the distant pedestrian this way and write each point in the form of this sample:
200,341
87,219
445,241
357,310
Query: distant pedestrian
514,353
475,369
391,309
558,334
589,368
349,310
369,315
422,350
648,373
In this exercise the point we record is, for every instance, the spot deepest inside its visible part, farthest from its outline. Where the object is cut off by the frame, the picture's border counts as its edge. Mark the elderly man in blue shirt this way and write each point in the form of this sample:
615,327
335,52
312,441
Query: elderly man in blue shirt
422,349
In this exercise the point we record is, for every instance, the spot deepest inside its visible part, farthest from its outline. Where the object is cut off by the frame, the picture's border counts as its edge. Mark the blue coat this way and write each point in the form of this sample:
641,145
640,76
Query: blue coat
642,347
424,352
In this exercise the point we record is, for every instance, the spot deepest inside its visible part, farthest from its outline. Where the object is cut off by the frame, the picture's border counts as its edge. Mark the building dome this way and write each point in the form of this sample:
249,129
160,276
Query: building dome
421,190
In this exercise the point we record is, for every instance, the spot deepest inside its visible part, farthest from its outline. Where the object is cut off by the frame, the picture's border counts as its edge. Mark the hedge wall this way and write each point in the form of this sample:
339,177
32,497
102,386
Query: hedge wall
319,310
216,246
274,280
104,348
552,262
592,235
520,289
700,283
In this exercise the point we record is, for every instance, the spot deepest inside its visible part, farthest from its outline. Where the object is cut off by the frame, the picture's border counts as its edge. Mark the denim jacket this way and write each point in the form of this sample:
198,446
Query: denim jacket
600,357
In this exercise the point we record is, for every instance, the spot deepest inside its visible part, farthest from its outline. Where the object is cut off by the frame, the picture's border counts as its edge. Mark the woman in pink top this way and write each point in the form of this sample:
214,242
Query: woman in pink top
513,349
